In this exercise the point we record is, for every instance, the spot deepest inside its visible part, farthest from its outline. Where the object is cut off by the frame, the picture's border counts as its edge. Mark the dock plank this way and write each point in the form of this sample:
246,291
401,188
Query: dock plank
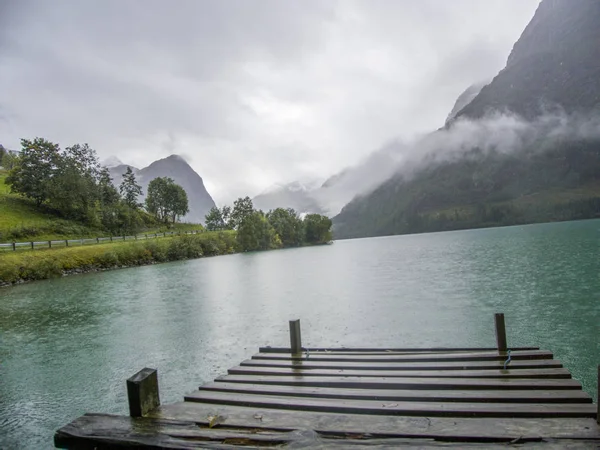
413,408
366,350
385,357
107,432
402,365
455,429
301,371
405,383
498,396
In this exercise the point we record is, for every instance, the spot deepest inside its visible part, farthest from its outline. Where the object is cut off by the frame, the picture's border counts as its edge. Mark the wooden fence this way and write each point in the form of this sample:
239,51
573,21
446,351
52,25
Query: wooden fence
32,245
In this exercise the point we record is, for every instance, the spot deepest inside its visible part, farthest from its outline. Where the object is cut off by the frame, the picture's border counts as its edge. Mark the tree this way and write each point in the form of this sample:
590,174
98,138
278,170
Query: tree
287,225
242,208
130,189
256,233
166,200
73,187
317,229
3,153
34,169
218,219
107,192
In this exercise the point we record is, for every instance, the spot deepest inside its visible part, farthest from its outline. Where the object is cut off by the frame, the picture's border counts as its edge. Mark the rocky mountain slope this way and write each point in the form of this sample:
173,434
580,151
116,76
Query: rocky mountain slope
526,148
179,170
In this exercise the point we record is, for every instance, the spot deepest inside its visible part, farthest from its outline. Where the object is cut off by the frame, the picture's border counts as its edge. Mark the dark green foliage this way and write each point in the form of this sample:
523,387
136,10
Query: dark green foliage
256,233
278,228
288,226
166,200
37,164
219,219
317,229
130,189
242,208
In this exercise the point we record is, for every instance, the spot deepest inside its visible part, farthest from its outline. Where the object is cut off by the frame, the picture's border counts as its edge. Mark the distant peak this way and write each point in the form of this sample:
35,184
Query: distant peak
112,161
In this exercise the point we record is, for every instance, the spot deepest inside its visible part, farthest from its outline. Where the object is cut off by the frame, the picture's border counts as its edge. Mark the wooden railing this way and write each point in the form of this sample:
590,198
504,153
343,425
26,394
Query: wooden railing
32,245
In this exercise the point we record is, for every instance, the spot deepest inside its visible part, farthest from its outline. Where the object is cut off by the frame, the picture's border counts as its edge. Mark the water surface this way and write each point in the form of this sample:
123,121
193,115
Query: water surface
67,345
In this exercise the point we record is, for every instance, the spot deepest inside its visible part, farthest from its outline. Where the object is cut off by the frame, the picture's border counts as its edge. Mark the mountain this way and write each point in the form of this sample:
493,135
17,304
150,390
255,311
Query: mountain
525,148
175,167
297,195
465,98
554,62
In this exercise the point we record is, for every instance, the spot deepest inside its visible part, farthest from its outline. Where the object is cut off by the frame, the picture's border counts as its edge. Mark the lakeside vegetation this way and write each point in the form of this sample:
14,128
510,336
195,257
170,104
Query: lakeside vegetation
51,263
53,194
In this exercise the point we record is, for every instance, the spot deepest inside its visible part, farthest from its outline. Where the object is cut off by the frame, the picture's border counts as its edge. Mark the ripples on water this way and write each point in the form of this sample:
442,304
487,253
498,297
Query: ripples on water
68,345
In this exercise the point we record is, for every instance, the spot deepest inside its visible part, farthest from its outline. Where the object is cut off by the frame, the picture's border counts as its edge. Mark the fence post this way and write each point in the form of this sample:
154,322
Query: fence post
49,244
97,240
111,239
31,245
142,392
66,242
146,236
295,338
14,246
500,332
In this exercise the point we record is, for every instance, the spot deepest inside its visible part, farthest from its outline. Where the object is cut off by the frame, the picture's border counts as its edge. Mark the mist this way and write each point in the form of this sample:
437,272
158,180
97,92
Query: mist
497,132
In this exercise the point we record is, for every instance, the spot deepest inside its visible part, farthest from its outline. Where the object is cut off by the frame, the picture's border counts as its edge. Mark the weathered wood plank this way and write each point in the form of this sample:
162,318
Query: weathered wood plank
427,409
102,432
395,350
459,429
300,371
405,383
504,396
483,356
445,365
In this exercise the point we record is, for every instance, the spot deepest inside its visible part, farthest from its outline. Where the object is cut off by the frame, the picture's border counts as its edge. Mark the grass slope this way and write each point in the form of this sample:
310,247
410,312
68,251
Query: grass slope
22,221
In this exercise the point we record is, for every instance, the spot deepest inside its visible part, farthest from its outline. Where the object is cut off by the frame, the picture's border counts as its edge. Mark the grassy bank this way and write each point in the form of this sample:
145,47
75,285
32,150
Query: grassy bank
43,264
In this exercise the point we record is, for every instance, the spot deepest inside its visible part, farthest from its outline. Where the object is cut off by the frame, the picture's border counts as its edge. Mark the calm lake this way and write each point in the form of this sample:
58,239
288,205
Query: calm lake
67,345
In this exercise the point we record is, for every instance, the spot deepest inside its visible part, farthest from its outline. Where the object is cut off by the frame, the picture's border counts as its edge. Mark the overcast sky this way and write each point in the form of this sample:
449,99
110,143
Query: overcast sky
250,92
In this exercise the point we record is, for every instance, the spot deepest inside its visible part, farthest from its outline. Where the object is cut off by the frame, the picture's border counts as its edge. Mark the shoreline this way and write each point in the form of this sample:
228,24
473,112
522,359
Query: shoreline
132,254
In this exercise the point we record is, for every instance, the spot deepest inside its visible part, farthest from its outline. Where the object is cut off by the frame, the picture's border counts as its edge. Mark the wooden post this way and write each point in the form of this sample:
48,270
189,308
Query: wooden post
111,239
124,237
97,240
142,392
49,244
500,332
31,245
295,337
66,242
14,246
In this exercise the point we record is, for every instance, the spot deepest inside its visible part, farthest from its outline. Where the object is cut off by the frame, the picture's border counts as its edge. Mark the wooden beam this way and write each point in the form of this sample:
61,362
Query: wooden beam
391,395
483,356
295,337
405,383
500,332
142,392
412,408
475,374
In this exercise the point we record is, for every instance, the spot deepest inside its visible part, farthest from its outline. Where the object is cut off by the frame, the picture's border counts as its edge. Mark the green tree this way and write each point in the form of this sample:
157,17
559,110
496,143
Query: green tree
256,233
3,153
317,229
287,225
107,192
34,169
242,208
218,219
166,200
130,189
73,188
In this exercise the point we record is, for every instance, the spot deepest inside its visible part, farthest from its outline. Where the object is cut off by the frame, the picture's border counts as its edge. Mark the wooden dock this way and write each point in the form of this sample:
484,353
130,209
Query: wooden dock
367,397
